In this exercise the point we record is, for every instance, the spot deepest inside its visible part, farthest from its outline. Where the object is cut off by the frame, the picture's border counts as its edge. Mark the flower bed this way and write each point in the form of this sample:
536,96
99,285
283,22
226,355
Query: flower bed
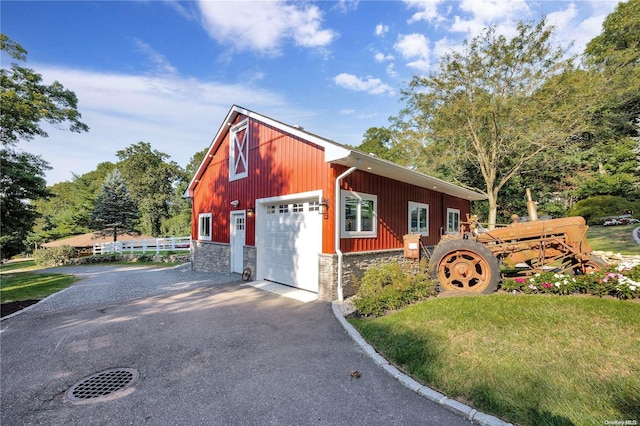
622,282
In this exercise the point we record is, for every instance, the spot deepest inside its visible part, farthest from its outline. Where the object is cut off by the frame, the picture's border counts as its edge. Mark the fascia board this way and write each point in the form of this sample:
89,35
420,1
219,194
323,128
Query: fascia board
377,166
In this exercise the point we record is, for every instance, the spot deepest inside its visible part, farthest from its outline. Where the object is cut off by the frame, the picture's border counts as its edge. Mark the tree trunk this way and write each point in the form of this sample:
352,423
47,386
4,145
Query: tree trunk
115,235
493,209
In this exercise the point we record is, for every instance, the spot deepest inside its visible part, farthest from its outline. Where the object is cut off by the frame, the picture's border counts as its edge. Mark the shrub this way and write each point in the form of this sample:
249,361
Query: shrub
389,286
55,256
623,283
599,206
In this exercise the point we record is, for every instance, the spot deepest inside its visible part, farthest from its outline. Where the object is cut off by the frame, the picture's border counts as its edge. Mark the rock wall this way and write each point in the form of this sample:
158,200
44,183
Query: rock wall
617,258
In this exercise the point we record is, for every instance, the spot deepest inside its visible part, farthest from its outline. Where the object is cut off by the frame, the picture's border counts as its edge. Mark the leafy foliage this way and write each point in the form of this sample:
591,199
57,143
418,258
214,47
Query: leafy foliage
115,212
389,286
493,108
151,179
21,180
26,102
599,206
54,256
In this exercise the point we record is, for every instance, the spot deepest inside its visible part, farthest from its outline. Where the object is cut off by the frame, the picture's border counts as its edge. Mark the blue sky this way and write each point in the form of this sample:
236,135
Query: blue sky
167,72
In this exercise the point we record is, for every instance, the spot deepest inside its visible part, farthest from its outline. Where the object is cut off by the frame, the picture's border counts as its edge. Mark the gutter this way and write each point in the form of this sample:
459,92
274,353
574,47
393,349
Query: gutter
337,226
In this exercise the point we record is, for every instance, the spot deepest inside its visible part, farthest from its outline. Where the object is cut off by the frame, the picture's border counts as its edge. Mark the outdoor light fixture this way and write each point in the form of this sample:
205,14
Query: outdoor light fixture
251,211
235,203
324,205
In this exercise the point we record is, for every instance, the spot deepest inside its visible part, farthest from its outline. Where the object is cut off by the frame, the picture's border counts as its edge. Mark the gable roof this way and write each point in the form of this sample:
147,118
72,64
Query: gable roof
336,153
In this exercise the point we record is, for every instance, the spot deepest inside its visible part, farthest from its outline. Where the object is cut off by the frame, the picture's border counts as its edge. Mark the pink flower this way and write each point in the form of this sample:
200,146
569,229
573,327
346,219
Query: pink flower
532,287
547,285
521,280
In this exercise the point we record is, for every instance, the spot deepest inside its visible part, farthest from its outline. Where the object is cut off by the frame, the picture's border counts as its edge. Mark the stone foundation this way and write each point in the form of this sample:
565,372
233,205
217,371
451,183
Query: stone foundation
214,257
249,260
211,257
354,265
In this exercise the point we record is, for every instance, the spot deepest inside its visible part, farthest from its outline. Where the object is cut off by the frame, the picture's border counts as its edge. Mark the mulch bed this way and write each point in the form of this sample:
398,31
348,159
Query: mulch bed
10,307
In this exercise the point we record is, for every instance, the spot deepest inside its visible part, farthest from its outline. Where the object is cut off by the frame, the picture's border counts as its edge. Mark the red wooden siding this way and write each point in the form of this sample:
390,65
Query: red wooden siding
393,211
279,164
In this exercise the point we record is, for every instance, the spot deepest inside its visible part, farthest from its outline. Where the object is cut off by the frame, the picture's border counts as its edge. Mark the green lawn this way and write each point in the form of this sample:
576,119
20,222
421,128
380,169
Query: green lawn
28,286
618,239
18,265
531,360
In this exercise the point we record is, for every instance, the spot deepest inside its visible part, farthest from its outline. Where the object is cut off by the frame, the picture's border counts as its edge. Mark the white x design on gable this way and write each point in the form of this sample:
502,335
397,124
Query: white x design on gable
239,153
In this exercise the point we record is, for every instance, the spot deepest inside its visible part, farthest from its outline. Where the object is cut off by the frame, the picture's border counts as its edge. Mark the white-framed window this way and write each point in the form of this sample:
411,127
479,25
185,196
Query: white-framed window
204,226
418,218
453,221
359,215
239,151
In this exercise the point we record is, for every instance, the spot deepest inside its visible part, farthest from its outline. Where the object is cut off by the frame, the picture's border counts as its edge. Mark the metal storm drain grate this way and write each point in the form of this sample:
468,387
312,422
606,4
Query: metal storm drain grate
103,386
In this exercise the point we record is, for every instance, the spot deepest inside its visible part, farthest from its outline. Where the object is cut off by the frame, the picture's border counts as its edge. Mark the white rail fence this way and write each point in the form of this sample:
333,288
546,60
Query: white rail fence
145,246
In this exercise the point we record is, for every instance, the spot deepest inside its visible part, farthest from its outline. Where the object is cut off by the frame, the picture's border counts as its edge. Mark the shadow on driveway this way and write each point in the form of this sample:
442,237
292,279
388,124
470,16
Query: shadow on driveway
212,352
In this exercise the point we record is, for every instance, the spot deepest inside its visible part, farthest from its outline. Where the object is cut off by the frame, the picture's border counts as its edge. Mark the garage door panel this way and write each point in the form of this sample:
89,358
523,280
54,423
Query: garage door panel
292,240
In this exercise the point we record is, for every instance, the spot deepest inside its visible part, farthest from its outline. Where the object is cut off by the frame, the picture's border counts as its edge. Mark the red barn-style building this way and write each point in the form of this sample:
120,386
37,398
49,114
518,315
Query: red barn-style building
304,211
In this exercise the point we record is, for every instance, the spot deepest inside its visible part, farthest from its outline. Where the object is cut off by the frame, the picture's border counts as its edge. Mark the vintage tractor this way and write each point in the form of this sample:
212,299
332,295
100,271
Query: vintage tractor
471,260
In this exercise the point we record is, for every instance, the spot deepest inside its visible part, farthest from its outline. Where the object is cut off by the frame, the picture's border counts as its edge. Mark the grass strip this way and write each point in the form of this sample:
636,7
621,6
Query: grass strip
617,239
530,360
29,286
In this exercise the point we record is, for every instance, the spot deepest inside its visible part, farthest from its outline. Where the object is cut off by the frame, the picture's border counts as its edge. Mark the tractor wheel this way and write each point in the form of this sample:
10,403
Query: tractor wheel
594,264
464,265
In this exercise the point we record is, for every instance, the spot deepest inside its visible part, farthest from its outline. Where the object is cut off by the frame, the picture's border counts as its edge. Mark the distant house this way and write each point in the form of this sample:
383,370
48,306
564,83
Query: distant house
84,242
301,210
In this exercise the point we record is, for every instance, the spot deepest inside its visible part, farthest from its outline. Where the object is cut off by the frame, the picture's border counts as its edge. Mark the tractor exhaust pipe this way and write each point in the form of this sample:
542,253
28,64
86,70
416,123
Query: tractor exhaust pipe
531,207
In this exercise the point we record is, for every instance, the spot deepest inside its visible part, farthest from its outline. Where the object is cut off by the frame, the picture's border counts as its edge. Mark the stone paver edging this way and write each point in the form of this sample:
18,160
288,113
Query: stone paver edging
456,406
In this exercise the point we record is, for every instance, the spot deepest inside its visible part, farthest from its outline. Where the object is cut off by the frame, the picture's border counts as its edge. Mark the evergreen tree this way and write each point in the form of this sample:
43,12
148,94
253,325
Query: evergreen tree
115,212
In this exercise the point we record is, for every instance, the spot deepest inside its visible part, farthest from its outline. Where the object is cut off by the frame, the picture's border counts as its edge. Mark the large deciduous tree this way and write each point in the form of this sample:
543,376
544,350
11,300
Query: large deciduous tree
115,213
495,106
151,179
21,180
25,102
179,224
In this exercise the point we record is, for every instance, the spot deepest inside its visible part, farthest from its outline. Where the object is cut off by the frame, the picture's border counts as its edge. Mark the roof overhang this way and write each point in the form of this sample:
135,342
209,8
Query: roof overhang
377,166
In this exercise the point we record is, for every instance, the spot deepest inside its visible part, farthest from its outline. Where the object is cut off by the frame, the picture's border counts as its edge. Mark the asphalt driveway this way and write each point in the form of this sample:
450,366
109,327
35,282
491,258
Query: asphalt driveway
208,351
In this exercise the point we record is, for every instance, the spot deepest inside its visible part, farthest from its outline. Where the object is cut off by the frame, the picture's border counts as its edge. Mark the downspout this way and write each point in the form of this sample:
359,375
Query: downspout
337,227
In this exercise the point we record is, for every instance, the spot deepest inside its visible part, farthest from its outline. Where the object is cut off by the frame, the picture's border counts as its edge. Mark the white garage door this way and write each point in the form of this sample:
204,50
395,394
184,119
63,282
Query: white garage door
291,243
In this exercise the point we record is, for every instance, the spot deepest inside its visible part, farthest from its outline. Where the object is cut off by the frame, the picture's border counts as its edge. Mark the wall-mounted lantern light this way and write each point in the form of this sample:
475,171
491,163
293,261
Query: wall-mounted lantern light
251,212
324,205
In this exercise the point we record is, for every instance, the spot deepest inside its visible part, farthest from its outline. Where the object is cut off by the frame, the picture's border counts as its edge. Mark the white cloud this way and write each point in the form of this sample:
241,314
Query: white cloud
161,63
371,85
471,26
391,70
265,25
381,29
491,11
345,6
428,10
412,46
445,45
561,19
177,116
381,57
